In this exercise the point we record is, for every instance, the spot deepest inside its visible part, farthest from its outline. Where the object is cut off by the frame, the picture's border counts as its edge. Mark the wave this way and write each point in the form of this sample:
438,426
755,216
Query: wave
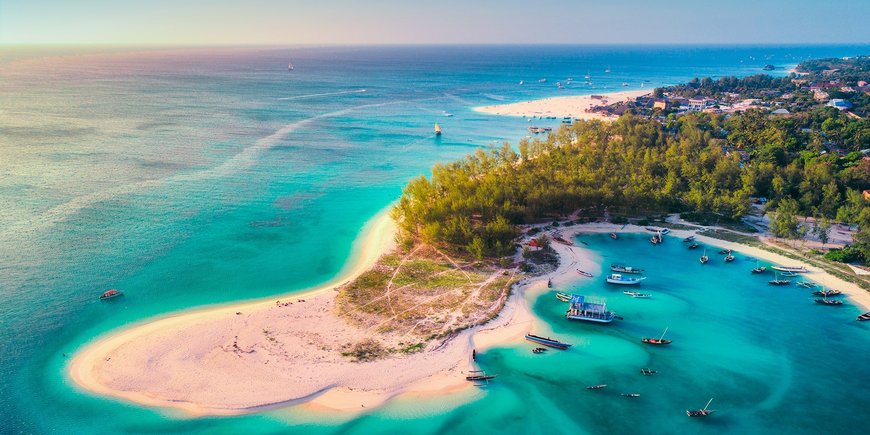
325,94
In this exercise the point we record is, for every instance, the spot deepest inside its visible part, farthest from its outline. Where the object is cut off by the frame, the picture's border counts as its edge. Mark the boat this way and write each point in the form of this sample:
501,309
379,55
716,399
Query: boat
522,82
689,239
863,317
564,297
582,273
608,69
759,269
616,278
790,269
694,246
790,274
768,67
660,340
437,129
624,84
664,231
590,311
777,281
704,258
290,67
539,350
701,412
806,284
109,294
725,251
630,394
827,293
655,240
647,371
549,283
613,236
636,294
547,341
479,375
622,268
729,258
826,301
596,387
542,81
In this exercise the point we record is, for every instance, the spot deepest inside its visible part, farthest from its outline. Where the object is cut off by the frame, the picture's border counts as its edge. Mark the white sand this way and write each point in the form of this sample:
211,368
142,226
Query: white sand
573,106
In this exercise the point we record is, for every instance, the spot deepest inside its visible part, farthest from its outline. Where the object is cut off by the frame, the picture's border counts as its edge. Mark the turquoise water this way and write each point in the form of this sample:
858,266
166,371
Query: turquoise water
209,176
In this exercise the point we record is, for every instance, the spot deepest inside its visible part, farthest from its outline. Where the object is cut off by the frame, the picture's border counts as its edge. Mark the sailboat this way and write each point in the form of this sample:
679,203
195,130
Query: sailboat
437,129
759,269
701,412
777,281
660,340
608,69
289,67
704,258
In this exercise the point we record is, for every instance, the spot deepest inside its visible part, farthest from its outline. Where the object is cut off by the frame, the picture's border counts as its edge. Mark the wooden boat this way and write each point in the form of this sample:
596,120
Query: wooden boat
689,239
636,294
630,394
701,412
564,297
437,129
549,342
660,340
759,269
806,284
109,294
480,377
826,301
729,258
539,350
827,293
596,387
647,371
622,268
725,251
616,278
777,281
613,236
694,246
582,273
704,258
863,317
792,269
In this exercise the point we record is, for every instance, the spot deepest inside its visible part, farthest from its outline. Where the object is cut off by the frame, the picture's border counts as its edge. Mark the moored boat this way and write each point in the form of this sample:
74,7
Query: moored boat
863,317
725,251
778,281
630,394
701,412
759,269
790,269
583,273
646,371
613,236
616,278
694,246
704,258
826,301
539,350
437,129
689,239
636,294
806,284
826,293
596,387
109,294
483,377
660,340
590,311
622,268
729,258
547,341
564,297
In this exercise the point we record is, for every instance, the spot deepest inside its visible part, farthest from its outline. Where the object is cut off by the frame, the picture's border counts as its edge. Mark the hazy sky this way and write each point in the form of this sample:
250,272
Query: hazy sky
221,22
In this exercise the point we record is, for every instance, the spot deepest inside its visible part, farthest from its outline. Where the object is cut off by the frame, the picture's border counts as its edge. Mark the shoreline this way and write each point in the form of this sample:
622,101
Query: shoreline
573,106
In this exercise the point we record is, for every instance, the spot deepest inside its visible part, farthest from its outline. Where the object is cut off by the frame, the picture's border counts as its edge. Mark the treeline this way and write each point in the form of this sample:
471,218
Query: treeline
756,86
633,166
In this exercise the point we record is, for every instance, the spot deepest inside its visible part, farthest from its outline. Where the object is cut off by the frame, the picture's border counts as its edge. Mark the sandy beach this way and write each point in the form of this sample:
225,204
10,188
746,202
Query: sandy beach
568,106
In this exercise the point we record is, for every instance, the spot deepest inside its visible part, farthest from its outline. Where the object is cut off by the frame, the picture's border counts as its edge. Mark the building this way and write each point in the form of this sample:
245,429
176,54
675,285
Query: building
699,103
840,104
662,104
866,194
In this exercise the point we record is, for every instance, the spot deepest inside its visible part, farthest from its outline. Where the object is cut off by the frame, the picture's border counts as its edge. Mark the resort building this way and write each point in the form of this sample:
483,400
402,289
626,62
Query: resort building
840,104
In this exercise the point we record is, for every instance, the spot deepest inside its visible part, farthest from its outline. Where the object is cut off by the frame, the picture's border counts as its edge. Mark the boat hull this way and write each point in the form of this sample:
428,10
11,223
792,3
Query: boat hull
547,342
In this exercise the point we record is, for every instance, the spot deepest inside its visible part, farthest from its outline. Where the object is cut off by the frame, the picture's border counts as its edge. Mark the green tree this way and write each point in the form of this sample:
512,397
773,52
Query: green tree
785,222
822,229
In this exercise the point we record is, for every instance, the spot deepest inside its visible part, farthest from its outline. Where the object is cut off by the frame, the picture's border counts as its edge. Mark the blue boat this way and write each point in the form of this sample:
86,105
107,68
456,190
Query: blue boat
597,312
547,341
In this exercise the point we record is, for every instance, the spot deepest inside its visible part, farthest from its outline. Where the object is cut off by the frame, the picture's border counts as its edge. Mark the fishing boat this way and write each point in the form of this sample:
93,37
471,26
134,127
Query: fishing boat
613,236
777,281
826,301
790,274
636,294
539,350
655,240
109,294
729,258
660,340
622,268
689,239
596,387
701,412
790,269
725,251
616,278
437,129
483,377
806,284
759,269
564,297
582,273
542,81
630,394
694,246
647,371
549,342
827,293
863,317
704,258
290,67
590,311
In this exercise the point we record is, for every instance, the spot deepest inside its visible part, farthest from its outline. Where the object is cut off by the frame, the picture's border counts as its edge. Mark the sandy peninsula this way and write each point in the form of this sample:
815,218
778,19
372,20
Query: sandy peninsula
569,106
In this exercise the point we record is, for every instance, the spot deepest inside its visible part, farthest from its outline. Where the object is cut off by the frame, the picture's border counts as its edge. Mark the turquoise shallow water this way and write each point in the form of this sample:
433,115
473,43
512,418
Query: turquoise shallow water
209,176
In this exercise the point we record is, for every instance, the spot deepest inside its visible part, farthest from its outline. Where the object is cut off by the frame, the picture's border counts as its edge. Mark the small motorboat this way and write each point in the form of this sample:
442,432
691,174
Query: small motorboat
547,341
694,246
826,301
827,293
613,236
729,258
596,387
725,251
539,350
630,394
863,317
636,294
660,340
689,239
582,273
700,412
564,297
109,294
647,371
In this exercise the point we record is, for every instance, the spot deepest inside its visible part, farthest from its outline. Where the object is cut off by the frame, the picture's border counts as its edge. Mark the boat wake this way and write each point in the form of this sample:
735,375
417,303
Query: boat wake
325,94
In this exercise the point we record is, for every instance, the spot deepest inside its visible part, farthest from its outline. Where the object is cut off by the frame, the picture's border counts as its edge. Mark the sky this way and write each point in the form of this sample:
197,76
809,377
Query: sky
288,22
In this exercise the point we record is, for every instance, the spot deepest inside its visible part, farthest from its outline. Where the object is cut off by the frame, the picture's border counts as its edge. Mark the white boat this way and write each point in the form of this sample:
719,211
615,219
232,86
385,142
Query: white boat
616,278
637,294
791,269
289,67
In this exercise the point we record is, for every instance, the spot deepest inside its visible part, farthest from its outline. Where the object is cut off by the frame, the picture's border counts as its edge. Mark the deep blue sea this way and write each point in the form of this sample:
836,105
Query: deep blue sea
191,177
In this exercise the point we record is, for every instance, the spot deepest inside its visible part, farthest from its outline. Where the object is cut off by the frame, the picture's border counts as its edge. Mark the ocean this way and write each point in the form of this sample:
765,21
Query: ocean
195,177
